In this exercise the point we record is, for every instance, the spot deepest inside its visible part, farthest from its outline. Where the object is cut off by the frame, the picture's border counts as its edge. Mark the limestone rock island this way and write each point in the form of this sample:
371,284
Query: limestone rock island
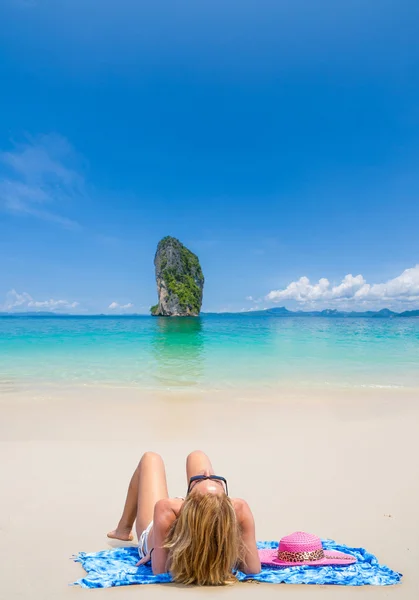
179,278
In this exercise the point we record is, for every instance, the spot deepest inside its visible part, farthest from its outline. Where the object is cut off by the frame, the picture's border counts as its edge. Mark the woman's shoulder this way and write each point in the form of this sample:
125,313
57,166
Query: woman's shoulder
242,510
239,504
168,505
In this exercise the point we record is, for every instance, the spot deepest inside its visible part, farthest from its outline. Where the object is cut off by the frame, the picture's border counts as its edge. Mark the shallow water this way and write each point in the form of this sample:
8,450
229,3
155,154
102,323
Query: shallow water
210,351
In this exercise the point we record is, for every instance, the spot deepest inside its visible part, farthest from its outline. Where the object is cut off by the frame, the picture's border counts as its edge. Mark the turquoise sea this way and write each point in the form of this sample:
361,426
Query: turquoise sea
212,351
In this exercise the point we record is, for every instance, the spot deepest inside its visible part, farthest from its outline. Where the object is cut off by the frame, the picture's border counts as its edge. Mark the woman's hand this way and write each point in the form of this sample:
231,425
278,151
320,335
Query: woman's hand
144,560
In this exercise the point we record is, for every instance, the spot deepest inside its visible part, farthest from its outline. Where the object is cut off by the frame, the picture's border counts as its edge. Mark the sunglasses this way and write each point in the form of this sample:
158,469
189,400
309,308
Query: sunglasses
203,477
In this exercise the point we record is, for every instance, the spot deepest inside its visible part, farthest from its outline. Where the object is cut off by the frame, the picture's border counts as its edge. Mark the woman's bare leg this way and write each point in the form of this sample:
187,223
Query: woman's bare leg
147,486
198,463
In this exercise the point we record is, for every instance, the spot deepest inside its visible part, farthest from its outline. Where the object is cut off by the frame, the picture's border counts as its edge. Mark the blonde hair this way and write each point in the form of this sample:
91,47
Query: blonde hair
204,542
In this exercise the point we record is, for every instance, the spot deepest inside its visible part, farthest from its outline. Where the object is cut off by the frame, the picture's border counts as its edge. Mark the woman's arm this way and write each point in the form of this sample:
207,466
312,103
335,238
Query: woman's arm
165,513
250,562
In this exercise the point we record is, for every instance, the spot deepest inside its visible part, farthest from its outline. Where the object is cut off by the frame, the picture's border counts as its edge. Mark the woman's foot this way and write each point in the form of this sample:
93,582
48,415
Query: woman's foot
121,533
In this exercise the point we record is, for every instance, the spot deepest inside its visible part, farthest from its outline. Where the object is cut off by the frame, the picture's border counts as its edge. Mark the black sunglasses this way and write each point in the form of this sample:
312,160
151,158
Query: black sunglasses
203,477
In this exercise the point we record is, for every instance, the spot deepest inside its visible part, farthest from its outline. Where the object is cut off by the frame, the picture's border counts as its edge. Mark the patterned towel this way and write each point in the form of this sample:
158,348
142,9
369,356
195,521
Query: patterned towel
115,567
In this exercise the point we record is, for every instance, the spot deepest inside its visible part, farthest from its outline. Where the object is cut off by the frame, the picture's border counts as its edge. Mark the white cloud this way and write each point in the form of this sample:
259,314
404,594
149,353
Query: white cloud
117,306
16,302
39,177
242,310
401,289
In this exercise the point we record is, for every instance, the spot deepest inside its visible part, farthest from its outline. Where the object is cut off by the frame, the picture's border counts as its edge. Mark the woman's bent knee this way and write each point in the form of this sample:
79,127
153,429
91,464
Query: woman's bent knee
151,457
196,454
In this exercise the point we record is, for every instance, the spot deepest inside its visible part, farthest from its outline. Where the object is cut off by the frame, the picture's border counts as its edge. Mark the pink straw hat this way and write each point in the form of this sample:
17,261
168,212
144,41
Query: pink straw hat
301,548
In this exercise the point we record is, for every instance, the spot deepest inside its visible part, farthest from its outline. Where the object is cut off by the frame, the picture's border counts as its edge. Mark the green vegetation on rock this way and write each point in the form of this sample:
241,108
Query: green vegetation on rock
185,288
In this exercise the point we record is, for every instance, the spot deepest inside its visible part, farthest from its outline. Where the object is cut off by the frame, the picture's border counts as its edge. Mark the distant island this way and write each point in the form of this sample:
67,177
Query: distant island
331,313
328,313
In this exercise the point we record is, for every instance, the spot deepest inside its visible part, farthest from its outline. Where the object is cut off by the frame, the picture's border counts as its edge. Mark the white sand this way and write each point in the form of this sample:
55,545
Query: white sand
342,465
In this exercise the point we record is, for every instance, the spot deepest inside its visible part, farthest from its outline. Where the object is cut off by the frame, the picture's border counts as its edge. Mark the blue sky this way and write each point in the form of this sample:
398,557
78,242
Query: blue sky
277,140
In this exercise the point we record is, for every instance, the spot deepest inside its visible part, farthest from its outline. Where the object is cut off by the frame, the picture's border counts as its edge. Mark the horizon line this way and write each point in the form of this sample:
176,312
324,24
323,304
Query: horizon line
324,312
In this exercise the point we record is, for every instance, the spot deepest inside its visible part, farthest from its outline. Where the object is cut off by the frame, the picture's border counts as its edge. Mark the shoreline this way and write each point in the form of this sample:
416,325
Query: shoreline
11,385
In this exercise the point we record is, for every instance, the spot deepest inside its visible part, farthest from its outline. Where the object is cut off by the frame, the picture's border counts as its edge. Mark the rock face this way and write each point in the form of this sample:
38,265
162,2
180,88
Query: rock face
179,278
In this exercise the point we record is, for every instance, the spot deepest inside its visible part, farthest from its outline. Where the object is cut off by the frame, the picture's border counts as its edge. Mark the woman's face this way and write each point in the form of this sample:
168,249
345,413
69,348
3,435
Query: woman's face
208,486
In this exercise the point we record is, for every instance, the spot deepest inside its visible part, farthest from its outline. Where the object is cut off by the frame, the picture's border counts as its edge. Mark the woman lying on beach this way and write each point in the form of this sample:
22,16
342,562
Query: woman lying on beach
200,539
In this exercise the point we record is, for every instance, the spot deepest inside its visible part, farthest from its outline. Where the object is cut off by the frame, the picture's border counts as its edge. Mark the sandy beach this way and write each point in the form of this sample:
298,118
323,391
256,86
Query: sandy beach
337,463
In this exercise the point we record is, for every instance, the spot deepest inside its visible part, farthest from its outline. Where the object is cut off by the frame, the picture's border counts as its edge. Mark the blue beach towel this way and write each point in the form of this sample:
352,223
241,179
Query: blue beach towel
109,568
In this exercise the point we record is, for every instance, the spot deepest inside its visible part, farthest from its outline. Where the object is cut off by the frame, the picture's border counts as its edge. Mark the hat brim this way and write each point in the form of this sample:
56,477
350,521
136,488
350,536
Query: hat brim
270,558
